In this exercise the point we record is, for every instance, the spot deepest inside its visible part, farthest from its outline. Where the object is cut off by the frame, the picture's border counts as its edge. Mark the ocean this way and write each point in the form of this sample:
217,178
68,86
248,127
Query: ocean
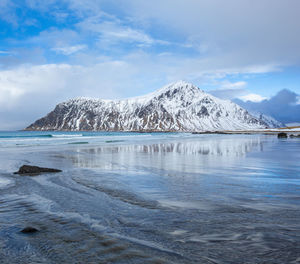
150,198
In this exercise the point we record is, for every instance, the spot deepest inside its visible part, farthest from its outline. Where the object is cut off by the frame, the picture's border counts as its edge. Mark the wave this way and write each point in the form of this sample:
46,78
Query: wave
27,136
66,135
78,143
41,136
114,141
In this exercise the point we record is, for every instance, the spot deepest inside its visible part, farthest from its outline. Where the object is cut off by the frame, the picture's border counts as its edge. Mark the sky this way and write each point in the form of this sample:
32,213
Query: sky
54,50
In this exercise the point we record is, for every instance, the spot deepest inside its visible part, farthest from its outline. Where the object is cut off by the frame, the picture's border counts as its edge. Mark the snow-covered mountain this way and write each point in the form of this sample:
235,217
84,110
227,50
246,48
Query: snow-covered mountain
269,120
179,106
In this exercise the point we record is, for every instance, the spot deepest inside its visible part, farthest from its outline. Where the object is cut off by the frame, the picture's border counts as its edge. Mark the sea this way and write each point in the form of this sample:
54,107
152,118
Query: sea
150,198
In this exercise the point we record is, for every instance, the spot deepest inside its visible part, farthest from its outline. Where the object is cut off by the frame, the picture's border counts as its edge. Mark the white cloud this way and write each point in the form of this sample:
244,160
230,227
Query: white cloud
55,37
221,38
68,50
252,97
229,90
233,85
25,80
29,92
114,31
85,8
40,4
7,12
61,81
263,32
263,68
272,38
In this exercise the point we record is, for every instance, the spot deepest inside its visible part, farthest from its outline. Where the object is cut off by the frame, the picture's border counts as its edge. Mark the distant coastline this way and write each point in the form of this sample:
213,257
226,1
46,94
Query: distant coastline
228,132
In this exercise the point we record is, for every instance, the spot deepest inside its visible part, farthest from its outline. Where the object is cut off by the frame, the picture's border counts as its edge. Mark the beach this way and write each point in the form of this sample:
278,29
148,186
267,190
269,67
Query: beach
150,198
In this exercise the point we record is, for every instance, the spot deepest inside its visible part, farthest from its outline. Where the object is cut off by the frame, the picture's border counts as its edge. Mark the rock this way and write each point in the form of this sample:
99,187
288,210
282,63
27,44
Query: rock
27,169
29,230
209,132
295,136
282,135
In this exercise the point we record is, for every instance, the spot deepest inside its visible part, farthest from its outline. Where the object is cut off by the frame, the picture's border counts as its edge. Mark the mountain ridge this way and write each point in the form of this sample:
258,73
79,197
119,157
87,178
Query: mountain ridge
179,106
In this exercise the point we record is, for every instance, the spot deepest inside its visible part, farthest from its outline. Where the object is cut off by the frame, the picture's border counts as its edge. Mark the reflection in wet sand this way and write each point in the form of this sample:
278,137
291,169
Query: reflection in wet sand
185,156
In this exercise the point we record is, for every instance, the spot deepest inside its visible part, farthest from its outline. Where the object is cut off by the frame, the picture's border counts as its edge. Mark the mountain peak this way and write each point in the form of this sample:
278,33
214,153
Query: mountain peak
179,87
181,83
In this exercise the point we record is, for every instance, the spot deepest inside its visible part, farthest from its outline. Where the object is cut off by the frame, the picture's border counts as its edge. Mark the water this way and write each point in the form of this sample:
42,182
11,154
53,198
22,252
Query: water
54,138
150,198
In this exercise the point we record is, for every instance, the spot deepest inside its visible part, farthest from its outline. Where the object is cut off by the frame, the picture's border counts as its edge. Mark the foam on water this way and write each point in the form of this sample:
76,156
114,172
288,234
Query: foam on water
45,138
66,135
5,182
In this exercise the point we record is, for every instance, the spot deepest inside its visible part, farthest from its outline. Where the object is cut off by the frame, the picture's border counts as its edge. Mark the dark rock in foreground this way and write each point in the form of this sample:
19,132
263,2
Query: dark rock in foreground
29,230
282,135
27,169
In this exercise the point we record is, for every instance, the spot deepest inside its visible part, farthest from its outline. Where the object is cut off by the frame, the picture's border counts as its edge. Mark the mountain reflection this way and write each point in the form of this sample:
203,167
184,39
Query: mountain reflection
188,153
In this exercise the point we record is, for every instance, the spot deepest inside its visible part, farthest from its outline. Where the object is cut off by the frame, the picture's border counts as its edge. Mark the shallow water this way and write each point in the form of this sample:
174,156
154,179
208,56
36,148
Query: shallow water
151,198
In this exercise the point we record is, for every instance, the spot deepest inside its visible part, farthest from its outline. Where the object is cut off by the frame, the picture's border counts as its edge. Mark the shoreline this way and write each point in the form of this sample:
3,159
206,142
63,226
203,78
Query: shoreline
222,132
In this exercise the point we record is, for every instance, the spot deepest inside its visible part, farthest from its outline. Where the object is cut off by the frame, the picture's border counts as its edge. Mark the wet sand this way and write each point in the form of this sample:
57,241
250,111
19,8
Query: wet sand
205,199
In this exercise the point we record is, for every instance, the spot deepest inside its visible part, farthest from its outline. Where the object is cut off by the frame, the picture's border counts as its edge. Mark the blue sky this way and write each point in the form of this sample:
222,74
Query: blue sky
53,50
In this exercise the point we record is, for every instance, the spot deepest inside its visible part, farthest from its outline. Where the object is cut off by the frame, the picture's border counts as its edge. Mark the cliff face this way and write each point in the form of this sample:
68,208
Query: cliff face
176,107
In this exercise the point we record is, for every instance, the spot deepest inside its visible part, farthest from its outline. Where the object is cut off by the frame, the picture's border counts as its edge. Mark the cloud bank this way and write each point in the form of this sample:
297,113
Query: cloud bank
284,106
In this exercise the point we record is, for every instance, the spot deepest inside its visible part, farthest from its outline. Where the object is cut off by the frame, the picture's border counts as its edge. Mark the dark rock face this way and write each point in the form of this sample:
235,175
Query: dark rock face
203,112
29,230
282,135
27,169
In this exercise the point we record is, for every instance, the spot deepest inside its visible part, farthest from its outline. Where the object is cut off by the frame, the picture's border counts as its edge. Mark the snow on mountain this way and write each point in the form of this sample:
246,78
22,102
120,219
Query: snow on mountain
269,120
179,106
